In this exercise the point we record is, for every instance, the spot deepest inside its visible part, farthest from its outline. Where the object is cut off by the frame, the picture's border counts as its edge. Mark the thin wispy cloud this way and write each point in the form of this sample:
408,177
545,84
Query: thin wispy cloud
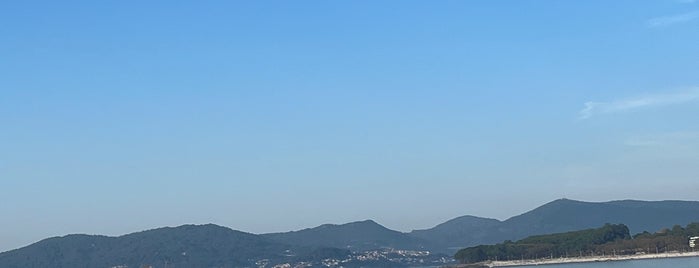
674,19
593,108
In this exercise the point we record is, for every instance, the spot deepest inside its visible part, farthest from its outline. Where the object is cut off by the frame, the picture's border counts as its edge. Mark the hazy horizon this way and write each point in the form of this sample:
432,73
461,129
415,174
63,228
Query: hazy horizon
265,117
312,226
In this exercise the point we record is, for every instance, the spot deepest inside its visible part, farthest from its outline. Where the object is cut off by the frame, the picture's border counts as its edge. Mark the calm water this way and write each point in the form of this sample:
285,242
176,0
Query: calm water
692,262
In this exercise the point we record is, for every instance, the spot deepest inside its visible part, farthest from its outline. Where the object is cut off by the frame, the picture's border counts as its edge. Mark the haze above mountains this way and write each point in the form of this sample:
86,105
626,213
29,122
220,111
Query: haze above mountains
211,245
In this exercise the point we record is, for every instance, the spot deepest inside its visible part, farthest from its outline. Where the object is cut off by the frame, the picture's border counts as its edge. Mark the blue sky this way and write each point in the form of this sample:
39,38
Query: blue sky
122,115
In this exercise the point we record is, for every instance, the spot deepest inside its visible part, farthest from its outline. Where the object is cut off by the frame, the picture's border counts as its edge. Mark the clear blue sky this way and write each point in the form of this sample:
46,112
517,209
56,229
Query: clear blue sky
120,116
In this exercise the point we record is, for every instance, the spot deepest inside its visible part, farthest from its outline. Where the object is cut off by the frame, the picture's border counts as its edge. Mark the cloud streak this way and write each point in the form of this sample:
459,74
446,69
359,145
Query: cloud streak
674,19
599,108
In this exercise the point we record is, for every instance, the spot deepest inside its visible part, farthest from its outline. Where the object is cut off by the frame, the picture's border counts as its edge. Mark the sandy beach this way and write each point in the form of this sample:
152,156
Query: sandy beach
590,259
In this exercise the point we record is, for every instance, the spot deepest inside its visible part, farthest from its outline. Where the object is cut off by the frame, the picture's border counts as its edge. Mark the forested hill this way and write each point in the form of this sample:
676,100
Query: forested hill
545,245
185,246
609,239
356,236
212,246
562,215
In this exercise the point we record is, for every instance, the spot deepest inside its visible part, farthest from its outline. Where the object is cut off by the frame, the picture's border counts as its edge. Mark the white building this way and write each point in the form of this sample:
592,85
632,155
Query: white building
692,241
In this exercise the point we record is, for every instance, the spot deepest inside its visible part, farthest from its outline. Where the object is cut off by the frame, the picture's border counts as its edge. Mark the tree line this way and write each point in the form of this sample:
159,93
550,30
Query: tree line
610,239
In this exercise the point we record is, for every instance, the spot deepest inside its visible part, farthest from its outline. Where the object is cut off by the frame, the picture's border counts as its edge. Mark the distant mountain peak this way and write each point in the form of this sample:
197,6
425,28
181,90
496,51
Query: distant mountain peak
357,235
564,201
561,215
206,245
364,223
466,220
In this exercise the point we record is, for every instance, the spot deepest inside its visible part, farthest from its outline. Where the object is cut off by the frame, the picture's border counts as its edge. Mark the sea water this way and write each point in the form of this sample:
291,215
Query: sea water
689,262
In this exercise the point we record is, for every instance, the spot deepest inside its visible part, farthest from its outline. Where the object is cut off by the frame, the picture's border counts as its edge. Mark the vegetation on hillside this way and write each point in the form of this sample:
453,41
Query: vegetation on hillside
607,240
562,215
675,239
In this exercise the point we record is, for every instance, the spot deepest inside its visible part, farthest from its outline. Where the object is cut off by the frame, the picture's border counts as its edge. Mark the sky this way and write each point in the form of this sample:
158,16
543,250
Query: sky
267,116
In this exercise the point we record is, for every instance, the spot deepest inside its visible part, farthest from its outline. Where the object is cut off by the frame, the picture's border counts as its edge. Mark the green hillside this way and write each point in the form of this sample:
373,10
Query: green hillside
545,245
562,215
607,240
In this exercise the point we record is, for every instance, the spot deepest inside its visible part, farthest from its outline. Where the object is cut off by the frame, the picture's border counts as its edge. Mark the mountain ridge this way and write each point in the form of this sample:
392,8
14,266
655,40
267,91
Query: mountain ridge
358,235
212,245
563,215
190,245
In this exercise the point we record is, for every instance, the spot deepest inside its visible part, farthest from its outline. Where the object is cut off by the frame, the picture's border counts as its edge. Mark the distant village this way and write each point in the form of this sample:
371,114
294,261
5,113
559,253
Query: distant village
387,256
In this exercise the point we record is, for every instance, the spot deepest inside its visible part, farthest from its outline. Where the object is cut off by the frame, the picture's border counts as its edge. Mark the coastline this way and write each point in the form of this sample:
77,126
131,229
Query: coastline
587,259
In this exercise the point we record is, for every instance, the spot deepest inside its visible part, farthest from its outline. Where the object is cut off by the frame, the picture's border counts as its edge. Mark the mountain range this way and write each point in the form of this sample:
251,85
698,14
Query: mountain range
187,245
562,215
215,246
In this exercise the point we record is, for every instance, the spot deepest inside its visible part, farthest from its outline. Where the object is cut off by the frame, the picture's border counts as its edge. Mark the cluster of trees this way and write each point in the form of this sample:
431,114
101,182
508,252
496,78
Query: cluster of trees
675,239
562,244
611,239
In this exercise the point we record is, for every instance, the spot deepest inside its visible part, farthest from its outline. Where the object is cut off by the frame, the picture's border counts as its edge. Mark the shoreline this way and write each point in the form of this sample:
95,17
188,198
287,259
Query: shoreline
588,259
